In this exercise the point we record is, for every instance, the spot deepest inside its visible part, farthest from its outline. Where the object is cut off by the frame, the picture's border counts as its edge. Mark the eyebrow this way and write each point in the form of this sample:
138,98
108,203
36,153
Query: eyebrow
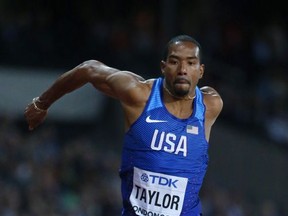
177,57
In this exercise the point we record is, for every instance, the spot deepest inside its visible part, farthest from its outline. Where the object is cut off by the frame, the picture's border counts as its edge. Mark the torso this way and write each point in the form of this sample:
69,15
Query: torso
132,112
164,151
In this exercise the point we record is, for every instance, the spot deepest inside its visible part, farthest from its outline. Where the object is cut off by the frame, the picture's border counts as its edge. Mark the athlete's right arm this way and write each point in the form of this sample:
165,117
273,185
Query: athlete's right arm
92,71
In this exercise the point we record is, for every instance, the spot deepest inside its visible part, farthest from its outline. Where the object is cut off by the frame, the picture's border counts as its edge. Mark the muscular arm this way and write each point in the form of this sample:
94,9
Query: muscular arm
112,82
93,72
214,105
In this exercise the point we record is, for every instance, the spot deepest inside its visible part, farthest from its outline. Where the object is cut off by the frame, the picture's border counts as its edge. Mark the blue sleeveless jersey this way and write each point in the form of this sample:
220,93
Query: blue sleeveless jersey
164,160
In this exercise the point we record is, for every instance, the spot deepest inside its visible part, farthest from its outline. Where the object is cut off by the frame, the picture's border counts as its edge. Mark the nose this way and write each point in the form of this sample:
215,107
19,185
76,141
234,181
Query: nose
183,68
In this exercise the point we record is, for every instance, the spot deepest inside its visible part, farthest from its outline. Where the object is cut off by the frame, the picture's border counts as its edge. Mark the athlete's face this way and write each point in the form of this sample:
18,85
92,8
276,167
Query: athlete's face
182,69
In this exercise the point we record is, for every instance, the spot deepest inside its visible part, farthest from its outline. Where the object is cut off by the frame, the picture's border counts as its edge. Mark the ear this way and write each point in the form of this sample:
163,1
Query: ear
202,68
162,66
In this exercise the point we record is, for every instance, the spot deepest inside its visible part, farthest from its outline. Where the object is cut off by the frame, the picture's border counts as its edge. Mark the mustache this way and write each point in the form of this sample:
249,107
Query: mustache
181,80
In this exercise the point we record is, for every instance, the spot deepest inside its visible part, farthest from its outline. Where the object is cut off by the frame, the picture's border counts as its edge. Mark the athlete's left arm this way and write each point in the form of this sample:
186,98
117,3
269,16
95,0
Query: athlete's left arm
214,105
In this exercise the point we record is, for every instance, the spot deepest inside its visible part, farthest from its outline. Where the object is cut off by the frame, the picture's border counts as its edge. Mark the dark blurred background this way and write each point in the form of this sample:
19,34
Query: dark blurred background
69,165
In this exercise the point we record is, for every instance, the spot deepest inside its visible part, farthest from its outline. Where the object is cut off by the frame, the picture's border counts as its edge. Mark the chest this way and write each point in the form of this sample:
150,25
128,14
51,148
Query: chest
181,111
164,133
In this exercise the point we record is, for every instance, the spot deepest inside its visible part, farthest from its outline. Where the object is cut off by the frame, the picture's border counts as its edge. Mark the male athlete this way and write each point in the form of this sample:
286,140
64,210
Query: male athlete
167,127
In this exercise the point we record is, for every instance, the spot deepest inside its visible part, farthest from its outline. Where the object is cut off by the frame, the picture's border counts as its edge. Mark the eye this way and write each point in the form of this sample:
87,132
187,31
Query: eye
173,62
192,62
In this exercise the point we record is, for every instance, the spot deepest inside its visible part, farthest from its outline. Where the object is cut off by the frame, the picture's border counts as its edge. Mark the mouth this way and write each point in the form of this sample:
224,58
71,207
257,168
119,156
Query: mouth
181,81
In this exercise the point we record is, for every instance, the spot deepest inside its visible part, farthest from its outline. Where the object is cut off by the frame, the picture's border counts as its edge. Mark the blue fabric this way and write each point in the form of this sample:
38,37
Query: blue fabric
159,147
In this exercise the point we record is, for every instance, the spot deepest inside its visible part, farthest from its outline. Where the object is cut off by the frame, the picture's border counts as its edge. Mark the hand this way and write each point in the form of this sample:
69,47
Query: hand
34,115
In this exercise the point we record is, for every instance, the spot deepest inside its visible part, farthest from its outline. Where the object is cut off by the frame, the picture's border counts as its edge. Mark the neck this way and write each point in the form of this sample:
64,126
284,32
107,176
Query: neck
187,97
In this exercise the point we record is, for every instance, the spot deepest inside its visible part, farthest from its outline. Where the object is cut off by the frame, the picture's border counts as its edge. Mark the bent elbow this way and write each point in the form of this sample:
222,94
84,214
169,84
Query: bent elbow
89,64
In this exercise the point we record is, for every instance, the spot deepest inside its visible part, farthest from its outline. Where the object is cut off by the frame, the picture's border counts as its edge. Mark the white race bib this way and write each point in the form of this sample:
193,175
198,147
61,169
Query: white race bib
157,194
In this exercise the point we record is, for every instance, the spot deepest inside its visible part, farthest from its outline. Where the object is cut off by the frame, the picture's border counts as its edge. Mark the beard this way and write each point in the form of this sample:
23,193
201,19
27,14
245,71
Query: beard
181,92
181,87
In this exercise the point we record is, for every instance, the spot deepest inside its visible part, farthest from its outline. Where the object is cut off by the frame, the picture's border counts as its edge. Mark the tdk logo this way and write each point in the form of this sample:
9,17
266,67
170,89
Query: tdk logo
144,177
159,180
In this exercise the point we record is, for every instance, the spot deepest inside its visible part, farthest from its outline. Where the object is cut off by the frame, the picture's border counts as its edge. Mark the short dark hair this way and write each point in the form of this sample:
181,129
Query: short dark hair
181,38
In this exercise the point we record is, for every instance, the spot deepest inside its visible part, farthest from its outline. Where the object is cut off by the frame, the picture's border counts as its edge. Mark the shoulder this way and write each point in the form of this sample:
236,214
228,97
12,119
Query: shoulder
131,88
207,90
212,100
